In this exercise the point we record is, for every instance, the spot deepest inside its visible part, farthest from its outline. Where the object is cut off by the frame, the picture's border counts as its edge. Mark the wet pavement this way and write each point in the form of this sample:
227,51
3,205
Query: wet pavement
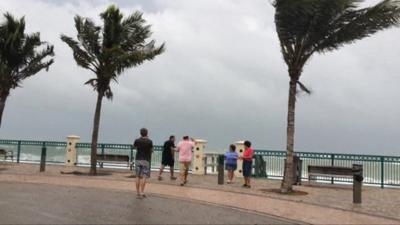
49,204
326,204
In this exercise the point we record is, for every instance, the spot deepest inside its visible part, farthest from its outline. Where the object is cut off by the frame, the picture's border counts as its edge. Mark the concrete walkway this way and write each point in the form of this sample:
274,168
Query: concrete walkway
48,204
229,197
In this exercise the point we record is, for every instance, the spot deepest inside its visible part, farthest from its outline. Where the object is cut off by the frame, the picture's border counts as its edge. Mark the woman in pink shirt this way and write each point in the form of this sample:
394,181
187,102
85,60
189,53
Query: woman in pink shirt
185,148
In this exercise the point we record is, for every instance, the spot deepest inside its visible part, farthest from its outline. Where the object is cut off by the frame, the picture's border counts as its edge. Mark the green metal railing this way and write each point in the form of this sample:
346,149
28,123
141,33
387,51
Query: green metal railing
29,151
378,170
120,149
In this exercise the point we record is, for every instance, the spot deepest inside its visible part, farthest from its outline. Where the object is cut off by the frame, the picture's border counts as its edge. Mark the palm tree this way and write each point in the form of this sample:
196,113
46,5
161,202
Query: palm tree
306,27
21,56
108,51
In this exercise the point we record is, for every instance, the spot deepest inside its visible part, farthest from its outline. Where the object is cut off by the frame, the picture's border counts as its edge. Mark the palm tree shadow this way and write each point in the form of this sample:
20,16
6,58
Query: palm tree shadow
79,173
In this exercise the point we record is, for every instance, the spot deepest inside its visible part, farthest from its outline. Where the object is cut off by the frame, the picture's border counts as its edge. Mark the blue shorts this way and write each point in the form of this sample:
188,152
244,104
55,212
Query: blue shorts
231,167
247,168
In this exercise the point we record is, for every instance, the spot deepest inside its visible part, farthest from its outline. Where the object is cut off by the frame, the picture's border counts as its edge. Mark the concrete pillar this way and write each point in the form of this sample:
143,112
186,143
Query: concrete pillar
240,150
71,157
198,155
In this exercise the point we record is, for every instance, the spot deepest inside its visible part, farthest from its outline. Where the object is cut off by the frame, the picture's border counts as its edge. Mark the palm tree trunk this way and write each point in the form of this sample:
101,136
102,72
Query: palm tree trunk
287,182
95,134
3,99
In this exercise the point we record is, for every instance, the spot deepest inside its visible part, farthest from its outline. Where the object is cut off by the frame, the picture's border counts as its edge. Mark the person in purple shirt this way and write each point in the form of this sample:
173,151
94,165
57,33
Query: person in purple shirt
231,162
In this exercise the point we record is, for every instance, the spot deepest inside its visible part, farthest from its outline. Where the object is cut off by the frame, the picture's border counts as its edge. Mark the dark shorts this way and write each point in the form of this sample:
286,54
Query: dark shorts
231,167
167,159
247,168
168,162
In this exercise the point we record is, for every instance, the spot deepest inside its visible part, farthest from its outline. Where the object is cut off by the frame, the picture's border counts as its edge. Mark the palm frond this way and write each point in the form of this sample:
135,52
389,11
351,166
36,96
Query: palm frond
22,55
88,35
303,88
112,28
354,25
135,31
35,63
308,26
121,43
81,56
92,82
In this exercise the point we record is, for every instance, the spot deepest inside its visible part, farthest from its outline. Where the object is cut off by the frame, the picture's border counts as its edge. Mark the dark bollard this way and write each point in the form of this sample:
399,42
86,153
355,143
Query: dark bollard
43,158
221,159
18,151
357,183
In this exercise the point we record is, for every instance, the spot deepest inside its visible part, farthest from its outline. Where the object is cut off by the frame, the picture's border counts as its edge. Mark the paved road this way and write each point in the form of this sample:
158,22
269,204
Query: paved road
22,203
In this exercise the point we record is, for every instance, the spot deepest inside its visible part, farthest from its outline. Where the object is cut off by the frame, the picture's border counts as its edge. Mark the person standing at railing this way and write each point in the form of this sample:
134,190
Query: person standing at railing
185,148
231,162
144,149
168,157
247,163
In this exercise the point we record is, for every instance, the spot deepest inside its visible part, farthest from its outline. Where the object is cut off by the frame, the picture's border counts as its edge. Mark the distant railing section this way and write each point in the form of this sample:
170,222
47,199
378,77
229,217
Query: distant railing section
211,162
378,170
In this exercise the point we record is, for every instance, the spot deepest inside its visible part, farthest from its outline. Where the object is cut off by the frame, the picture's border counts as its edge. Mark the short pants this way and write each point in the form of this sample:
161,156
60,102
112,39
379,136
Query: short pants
142,168
247,168
231,167
167,159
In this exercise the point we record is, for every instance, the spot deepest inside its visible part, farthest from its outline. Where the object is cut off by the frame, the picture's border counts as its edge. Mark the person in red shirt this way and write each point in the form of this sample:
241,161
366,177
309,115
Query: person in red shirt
247,163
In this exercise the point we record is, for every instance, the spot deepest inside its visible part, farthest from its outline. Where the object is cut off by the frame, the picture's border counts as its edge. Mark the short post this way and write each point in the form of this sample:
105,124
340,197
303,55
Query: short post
43,158
18,151
357,183
221,159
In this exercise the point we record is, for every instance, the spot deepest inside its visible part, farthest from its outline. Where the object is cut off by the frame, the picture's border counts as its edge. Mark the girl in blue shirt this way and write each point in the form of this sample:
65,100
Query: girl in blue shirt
231,162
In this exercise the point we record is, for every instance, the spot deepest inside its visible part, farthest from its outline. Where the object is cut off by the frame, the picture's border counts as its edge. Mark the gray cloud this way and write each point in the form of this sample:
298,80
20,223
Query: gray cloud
222,78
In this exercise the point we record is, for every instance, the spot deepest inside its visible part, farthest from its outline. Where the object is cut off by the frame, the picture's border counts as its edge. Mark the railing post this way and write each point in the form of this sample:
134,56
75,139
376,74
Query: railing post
221,169
332,164
18,151
102,149
131,154
382,172
131,157
205,165
43,158
213,162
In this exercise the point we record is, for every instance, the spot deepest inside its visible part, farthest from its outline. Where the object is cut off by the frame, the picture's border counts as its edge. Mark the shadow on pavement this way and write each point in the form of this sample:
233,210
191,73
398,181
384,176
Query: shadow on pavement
79,173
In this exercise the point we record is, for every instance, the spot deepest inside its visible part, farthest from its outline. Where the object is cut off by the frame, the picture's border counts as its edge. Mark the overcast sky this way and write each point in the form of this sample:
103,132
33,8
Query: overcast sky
222,78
